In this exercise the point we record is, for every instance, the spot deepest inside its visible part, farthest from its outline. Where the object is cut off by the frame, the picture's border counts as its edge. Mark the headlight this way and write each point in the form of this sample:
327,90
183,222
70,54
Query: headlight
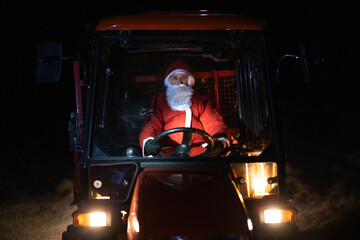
277,216
259,179
93,219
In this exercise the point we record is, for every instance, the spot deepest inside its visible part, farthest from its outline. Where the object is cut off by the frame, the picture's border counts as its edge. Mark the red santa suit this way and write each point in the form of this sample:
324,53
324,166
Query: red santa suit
200,115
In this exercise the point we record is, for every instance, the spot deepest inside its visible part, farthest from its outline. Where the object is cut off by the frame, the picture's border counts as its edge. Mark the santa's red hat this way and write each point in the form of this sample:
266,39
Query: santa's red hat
179,66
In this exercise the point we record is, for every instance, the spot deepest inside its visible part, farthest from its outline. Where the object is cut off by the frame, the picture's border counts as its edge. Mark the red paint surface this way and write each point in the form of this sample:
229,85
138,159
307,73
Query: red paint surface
193,203
179,21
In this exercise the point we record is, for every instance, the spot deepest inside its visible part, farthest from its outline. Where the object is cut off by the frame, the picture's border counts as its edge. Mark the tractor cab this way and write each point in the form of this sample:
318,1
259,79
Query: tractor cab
121,192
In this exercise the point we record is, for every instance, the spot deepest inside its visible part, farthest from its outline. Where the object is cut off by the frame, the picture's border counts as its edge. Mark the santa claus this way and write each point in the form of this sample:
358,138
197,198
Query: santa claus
178,107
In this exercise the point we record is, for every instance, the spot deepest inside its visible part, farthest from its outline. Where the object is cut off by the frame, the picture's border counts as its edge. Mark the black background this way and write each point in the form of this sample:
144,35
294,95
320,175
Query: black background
319,120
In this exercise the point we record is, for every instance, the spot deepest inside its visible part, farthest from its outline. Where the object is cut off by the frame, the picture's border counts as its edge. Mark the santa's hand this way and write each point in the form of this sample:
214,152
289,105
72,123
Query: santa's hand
218,148
151,147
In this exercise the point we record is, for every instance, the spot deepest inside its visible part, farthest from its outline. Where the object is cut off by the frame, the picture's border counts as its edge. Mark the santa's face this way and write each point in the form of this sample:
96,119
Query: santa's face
179,78
179,92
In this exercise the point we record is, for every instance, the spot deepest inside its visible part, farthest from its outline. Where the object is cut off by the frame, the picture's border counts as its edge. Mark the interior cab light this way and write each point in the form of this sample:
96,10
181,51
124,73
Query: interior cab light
98,196
254,153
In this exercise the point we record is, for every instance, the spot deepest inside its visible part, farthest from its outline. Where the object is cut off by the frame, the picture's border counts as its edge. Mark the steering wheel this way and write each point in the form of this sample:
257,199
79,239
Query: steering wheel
183,149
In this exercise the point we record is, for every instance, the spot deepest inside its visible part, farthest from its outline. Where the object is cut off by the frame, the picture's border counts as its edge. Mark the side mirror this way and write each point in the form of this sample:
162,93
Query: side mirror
48,62
303,60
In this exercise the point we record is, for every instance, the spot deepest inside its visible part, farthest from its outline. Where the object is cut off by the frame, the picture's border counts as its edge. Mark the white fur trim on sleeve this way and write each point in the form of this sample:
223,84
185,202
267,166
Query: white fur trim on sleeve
225,141
143,148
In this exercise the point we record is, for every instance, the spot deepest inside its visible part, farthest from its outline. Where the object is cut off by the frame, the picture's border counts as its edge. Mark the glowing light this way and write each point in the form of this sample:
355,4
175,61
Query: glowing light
250,224
255,153
256,177
259,181
272,216
97,184
135,223
98,196
102,197
275,215
93,219
97,219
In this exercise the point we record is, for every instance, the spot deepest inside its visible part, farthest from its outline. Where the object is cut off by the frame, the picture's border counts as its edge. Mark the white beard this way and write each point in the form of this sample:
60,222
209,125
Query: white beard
179,97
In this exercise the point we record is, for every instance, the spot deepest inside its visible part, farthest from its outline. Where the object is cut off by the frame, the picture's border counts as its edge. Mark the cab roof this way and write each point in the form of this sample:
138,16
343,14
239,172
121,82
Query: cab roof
179,20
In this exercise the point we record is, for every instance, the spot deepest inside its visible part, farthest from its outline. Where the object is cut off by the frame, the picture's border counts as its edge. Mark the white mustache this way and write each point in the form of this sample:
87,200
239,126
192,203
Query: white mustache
179,96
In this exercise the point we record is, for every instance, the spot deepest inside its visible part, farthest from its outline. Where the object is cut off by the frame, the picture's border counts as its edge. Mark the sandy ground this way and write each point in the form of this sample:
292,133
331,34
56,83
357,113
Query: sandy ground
27,217
328,214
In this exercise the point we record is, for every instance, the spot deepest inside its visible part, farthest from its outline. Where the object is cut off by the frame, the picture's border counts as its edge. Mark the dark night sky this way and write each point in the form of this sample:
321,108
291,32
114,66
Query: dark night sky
320,120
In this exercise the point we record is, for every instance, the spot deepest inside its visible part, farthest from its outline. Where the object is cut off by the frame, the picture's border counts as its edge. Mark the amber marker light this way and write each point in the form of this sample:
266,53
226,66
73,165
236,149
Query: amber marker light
278,216
93,219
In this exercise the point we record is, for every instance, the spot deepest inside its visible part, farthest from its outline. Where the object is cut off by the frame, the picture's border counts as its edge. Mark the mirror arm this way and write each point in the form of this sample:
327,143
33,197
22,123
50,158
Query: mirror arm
304,66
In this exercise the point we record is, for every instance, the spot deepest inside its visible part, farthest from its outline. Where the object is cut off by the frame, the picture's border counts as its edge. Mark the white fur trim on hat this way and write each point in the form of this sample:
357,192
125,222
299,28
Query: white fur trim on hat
191,79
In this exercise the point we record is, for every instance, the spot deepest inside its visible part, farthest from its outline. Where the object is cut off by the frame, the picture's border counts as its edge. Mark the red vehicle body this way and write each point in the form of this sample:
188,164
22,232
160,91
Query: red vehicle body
121,194
208,195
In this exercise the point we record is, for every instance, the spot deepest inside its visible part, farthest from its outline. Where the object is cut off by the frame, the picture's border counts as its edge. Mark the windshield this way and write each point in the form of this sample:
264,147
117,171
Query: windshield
229,76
